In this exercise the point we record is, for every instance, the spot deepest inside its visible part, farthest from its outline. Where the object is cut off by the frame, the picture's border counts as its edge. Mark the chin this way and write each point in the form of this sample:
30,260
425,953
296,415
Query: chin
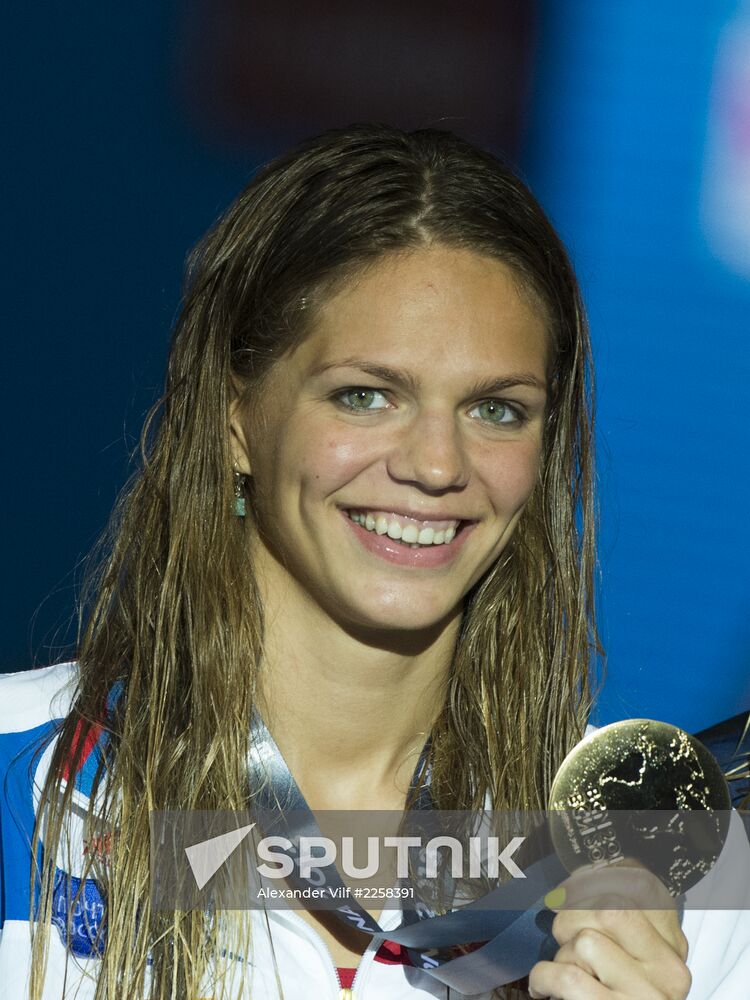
403,617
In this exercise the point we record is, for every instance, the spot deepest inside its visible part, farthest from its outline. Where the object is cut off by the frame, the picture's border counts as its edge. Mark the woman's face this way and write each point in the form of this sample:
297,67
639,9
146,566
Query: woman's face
395,447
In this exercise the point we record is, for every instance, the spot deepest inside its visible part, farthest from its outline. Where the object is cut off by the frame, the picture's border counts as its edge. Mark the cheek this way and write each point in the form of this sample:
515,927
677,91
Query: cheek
331,460
513,475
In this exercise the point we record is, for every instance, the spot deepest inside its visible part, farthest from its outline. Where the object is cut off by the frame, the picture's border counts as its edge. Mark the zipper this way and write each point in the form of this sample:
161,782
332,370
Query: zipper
368,956
366,959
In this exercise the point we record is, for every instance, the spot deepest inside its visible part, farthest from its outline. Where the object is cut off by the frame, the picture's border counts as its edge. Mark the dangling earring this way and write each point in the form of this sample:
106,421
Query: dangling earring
239,493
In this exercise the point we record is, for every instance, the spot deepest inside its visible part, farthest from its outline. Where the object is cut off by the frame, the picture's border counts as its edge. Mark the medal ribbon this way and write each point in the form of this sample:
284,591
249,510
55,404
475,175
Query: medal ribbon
515,939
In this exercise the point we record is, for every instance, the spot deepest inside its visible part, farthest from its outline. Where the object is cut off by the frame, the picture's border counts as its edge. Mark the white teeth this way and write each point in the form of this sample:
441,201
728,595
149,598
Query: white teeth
409,534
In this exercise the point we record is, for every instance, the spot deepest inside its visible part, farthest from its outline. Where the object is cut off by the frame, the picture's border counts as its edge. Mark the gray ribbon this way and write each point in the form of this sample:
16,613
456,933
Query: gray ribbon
515,939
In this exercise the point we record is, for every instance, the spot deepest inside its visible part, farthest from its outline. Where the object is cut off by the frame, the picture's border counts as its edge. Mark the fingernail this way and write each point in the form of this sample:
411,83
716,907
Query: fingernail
555,898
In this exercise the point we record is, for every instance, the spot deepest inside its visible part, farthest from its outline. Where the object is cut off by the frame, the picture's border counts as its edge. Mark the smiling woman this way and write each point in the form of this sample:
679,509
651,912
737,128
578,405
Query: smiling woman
379,422
364,517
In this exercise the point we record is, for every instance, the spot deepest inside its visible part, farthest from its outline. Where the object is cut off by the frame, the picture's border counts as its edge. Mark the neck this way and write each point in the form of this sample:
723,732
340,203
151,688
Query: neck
350,709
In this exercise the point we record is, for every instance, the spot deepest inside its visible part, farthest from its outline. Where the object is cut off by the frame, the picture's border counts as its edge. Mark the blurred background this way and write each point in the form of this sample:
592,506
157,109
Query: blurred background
130,126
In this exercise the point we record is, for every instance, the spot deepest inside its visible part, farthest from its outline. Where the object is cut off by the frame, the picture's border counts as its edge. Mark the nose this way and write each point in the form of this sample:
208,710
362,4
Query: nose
430,453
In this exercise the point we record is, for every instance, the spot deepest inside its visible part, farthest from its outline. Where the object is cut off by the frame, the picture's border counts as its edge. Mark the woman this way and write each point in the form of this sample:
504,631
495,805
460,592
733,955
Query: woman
366,512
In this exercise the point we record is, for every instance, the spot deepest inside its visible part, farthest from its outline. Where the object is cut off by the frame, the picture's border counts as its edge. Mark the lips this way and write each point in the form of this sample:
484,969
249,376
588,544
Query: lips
409,530
406,540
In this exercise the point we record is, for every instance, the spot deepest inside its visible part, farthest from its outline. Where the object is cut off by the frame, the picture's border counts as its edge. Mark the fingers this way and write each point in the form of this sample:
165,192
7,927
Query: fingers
649,936
602,958
564,982
614,894
627,879
608,946
567,980
594,966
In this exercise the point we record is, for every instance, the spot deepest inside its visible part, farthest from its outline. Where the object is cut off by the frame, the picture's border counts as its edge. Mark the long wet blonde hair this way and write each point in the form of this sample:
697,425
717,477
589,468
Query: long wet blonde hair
172,609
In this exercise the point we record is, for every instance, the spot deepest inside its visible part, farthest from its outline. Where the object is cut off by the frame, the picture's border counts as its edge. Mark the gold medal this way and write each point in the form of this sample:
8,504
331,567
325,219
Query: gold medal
643,790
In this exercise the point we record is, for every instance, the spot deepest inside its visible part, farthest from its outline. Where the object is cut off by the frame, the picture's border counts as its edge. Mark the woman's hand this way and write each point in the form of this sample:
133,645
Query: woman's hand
611,950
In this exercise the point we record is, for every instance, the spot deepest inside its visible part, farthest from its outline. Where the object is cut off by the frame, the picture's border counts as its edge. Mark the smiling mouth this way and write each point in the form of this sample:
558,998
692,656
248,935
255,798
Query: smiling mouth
408,531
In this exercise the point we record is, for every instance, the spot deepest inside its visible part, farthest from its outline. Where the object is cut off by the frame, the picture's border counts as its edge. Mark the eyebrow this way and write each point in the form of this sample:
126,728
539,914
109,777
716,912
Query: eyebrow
411,382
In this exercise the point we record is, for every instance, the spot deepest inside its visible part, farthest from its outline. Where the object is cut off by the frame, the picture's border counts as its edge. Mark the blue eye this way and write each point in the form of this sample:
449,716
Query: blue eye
359,398
495,411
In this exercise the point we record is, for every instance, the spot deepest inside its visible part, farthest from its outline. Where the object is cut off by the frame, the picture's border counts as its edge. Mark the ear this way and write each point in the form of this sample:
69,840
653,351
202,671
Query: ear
237,432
